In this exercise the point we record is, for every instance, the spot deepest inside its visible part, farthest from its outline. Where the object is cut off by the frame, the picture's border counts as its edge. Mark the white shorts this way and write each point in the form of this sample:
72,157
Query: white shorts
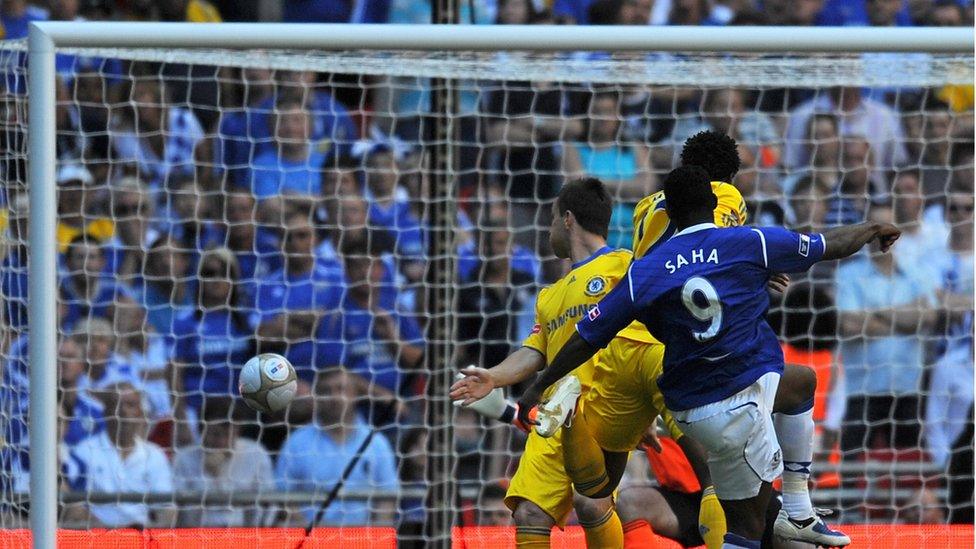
738,433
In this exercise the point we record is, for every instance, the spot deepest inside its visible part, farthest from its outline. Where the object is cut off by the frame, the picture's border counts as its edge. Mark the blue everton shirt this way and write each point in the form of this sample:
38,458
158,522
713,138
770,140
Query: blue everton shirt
703,294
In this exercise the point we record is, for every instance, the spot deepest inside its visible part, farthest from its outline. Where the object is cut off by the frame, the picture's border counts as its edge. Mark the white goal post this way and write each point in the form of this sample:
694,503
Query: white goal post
45,38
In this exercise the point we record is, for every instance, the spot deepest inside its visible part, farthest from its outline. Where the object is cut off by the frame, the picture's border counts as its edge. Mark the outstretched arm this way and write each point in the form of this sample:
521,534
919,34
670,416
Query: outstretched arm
478,382
845,241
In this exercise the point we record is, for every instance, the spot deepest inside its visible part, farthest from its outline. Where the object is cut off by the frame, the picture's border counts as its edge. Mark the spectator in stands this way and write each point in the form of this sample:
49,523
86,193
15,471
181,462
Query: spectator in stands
950,395
332,129
492,300
524,124
79,208
132,211
389,208
922,245
863,116
883,311
119,459
473,254
188,214
491,506
103,367
141,347
295,304
762,194
314,456
211,343
223,462
352,213
85,287
292,165
383,345
851,197
335,11
17,15
86,414
13,270
623,167
801,13
841,13
945,13
160,138
724,110
808,204
237,127
165,289
822,148
337,183
936,173
256,247
696,12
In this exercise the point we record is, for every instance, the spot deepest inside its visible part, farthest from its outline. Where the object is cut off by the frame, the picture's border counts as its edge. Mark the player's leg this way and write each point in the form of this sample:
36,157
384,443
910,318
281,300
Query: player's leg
532,525
743,455
600,522
594,471
649,510
793,421
540,494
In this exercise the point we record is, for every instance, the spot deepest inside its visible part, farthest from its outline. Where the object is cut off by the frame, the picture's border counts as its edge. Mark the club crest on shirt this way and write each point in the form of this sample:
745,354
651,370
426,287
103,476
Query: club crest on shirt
804,245
595,286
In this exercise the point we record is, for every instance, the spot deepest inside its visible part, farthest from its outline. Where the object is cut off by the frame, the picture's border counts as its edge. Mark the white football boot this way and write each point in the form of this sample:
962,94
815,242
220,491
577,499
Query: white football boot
560,406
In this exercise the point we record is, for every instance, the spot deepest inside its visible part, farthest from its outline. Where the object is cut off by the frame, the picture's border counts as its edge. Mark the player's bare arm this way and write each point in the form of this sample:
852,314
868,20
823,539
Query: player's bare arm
478,382
575,352
844,241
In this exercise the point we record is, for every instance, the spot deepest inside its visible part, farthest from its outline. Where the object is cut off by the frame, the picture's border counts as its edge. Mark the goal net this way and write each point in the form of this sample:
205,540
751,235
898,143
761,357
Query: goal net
216,204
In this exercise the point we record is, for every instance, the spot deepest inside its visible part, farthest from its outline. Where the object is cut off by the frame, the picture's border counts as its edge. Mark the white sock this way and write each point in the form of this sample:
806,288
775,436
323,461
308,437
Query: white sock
795,434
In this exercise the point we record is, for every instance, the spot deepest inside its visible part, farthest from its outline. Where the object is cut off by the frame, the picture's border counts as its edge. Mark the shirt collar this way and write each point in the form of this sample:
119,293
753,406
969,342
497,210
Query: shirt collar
695,229
596,254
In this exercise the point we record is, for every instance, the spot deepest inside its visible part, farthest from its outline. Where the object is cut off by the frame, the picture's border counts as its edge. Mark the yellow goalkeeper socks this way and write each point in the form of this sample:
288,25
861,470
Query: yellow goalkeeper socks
584,459
711,519
532,537
605,533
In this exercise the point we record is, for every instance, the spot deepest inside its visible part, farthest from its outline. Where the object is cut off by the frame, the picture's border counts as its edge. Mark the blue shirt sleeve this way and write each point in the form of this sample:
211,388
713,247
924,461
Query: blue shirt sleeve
612,314
784,251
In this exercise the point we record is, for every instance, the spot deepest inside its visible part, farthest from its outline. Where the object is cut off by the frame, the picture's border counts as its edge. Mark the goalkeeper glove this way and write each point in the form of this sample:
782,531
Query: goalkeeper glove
494,406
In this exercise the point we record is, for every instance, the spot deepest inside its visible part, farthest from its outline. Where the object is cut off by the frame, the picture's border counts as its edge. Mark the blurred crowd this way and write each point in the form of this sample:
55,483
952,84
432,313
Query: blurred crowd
210,213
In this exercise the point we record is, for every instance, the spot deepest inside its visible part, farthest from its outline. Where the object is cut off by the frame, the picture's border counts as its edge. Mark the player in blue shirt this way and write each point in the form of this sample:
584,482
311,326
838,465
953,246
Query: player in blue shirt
703,294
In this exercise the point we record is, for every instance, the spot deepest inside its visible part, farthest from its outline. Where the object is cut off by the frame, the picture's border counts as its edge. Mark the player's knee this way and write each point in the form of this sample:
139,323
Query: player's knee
529,514
806,382
590,510
797,388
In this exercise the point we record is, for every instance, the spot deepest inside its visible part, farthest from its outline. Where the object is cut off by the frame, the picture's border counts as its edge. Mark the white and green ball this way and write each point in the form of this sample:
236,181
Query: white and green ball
268,383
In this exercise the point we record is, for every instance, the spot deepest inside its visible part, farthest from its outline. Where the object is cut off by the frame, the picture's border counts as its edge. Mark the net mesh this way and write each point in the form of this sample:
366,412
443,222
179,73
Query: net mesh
217,204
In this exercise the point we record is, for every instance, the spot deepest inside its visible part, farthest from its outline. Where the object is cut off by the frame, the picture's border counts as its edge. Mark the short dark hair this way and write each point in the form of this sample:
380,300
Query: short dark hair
715,152
590,203
687,189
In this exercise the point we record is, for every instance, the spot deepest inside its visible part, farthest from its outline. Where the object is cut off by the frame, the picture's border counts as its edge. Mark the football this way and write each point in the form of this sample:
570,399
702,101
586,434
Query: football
268,383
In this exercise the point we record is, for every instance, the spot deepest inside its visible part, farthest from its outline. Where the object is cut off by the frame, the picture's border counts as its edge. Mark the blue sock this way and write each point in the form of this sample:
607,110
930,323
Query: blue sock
733,541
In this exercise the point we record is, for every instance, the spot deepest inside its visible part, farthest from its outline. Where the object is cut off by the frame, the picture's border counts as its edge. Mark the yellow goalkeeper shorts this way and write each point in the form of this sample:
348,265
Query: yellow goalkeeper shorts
624,398
541,478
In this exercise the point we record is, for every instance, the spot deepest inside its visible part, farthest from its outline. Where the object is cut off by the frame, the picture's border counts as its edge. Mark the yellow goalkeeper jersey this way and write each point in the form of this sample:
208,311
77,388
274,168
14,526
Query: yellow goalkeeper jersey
652,225
559,307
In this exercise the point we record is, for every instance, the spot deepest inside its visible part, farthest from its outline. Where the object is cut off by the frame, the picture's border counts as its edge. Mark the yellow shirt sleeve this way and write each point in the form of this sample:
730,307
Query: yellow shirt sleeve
652,225
201,11
537,337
